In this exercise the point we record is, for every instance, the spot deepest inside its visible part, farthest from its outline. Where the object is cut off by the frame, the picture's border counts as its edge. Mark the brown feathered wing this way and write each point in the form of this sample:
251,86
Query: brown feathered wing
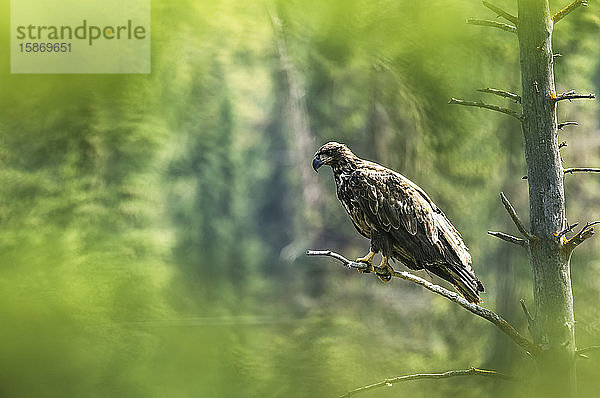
418,232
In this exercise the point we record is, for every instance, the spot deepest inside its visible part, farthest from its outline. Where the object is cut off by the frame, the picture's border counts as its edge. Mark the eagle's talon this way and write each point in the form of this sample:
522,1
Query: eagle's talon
368,259
370,268
383,274
384,271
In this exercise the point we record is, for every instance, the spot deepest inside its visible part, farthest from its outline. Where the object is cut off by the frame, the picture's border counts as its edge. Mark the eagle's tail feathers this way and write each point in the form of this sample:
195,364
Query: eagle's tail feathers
461,278
466,283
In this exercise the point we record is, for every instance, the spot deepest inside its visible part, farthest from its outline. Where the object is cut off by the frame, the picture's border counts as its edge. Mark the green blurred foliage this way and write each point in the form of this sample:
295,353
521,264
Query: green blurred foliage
151,226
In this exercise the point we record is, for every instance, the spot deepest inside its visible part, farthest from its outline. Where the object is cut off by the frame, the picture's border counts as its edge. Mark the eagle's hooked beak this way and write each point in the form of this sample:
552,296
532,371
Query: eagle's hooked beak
317,162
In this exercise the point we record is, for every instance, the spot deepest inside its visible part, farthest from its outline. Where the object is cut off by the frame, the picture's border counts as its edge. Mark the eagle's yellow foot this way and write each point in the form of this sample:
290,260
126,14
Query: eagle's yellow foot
384,271
368,259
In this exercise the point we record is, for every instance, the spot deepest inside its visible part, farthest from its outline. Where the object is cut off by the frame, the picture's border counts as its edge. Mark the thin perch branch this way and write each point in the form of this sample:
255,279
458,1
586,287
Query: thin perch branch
530,321
563,124
586,232
493,24
486,106
563,13
571,95
501,13
419,376
513,214
509,238
582,351
566,230
501,93
572,170
491,316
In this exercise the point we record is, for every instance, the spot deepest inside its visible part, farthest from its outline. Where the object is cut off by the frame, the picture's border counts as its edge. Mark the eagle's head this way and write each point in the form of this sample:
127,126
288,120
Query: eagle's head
332,154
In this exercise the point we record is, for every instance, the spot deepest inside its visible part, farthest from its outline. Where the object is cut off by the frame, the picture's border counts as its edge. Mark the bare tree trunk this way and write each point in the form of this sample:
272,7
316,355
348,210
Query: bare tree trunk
548,255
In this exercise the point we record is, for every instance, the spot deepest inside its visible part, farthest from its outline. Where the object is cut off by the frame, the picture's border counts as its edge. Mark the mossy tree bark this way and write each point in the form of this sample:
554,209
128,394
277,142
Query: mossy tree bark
549,254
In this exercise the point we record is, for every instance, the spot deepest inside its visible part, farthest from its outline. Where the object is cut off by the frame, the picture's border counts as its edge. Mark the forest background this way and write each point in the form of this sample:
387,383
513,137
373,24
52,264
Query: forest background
153,227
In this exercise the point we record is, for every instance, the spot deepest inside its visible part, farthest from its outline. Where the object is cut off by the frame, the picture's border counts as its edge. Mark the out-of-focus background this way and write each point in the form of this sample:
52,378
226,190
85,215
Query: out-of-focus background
153,227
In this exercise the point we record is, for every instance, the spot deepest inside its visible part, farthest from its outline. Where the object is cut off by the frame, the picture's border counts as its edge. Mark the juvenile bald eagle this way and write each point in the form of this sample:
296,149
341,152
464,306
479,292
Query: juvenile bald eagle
399,219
